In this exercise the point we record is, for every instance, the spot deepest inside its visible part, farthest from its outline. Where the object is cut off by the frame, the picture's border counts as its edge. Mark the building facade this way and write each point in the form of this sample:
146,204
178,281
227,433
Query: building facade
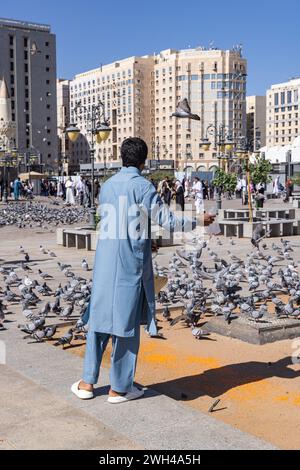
141,93
214,82
283,101
256,120
28,65
126,89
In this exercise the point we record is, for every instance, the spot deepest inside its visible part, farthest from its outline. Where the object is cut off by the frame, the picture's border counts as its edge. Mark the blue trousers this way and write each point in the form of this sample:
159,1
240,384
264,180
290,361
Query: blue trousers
123,359
123,356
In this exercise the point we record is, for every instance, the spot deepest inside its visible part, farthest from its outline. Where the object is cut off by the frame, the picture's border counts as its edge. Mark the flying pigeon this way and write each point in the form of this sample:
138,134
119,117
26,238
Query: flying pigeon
183,110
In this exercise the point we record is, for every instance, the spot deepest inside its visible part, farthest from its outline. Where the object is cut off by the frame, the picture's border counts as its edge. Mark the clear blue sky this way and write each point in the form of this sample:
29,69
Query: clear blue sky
91,32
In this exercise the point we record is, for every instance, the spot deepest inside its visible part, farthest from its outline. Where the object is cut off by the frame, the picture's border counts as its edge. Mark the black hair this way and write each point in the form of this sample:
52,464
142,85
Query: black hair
134,152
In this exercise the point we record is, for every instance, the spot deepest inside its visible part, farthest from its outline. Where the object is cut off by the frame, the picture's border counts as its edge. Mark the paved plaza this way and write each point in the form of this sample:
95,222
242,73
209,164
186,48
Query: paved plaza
257,385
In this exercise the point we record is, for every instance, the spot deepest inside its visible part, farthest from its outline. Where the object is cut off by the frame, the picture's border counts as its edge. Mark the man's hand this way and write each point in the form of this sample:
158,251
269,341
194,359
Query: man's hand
207,219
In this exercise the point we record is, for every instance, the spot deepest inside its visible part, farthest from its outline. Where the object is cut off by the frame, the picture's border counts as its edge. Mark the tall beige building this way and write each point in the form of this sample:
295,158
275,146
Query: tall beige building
141,93
283,102
125,88
256,120
214,82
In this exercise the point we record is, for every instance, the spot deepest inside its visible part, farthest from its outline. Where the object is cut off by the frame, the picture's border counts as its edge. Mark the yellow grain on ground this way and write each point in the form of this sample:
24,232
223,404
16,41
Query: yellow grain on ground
258,385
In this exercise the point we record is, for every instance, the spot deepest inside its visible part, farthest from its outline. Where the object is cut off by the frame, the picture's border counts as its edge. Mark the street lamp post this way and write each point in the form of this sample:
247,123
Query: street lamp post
222,143
8,159
99,130
243,151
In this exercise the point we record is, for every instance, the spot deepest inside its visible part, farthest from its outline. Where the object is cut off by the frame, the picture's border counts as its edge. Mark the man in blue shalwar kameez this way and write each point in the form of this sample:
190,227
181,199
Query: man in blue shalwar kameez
123,295
17,188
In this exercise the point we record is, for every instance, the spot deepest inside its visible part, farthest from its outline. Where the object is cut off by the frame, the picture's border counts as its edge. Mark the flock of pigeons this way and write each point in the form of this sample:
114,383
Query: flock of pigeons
222,285
38,215
230,287
27,286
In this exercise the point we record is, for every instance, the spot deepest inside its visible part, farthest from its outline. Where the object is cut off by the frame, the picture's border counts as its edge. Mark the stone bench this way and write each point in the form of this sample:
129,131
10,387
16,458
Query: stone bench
231,228
296,203
275,213
161,236
275,228
75,238
232,214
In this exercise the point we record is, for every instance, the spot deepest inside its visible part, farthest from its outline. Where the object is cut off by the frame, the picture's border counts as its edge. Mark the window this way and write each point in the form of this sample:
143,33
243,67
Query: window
276,99
25,42
289,96
11,40
283,97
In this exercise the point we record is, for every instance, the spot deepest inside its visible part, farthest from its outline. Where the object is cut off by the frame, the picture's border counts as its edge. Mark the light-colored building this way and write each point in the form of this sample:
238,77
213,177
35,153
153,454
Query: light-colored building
283,123
125,88
28,65
141,93
67,163
214,82
256,120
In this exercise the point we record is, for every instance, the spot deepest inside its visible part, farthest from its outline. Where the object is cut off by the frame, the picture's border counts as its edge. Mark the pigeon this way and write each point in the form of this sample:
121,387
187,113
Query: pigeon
66,339
50,331
183,110
45,310
198,333
32,326
85,265
25,267
258,235
257,315
38,335
166,313
67,311
55,306
63,266
44,275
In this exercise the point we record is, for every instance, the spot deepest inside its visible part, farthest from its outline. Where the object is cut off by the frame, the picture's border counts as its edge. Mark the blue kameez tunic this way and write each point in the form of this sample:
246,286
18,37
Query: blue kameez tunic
123,273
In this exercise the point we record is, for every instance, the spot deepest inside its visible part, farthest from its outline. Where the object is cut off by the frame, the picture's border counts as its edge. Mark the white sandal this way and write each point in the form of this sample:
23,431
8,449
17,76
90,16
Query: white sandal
82,394
133,395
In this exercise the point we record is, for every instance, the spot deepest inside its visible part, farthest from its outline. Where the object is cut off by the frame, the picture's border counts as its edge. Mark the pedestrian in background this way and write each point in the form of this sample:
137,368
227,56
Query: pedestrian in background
179,195
17,188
